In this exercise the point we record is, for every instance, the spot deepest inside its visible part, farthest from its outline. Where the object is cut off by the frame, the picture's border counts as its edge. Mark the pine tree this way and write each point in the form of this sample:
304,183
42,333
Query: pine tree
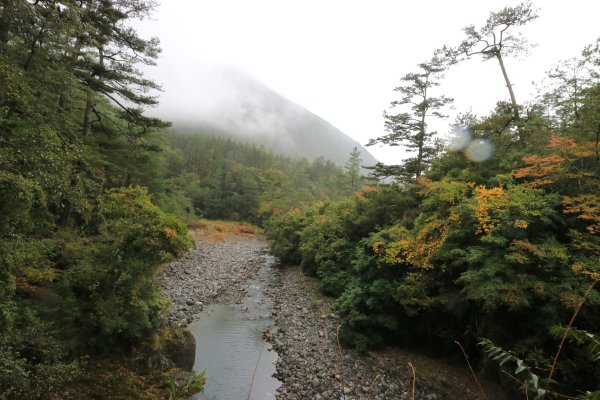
493,40
409,128
352,168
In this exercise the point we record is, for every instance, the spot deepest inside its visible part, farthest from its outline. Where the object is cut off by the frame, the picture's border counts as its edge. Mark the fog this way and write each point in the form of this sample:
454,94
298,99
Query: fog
233,104
224,98
340,59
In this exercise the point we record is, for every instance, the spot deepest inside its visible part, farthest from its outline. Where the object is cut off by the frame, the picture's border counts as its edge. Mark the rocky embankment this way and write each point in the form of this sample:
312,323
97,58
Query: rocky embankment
310,364
312,367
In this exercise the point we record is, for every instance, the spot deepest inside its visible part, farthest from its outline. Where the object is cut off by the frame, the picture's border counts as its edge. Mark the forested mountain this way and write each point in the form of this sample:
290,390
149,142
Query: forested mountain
219,178
228,103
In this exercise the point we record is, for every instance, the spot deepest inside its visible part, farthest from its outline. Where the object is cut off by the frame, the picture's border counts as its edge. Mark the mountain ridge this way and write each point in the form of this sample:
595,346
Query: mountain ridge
237,106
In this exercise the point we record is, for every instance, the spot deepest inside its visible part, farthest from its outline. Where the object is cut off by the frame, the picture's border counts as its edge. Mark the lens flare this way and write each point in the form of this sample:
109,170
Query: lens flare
460,139
479,150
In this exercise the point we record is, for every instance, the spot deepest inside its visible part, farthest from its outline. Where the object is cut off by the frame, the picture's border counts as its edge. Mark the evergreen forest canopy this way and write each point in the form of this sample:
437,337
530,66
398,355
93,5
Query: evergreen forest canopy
94,196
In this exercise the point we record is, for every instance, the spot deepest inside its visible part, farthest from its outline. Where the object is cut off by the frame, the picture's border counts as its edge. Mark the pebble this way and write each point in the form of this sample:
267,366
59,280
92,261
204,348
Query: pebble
304,336
215,272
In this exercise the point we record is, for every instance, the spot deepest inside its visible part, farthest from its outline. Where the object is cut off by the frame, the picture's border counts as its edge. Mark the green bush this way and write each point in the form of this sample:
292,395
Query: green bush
283,232
110,286
473,254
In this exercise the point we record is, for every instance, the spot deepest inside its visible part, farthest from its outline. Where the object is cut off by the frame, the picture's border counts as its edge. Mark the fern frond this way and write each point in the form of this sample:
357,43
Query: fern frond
498,354
581,337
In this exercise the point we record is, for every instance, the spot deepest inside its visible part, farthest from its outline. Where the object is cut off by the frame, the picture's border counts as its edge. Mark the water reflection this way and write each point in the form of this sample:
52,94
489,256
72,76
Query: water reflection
230,347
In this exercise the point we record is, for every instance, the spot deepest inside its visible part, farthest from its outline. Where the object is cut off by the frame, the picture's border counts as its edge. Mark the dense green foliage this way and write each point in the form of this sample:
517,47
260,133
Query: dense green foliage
93,195
81,240
223,179
502,249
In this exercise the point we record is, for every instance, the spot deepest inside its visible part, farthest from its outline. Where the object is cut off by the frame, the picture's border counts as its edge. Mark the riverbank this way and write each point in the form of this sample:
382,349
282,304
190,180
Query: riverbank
310,365
218,292
304,330
215,272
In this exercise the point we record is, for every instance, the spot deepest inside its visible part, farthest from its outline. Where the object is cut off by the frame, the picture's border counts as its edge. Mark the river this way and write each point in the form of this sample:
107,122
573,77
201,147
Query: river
239,363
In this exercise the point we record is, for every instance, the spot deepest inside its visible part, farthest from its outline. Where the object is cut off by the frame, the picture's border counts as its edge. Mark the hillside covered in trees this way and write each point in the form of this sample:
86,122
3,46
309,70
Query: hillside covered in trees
94,196
222,179
231,104
491,241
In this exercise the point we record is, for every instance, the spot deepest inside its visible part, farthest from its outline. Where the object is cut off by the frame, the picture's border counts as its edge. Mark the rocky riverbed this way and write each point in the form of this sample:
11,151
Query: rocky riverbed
310,364
312,367
215,272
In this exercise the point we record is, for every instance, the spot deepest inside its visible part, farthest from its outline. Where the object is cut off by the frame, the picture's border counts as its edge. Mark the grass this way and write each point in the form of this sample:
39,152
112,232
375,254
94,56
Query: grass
314,303
220,230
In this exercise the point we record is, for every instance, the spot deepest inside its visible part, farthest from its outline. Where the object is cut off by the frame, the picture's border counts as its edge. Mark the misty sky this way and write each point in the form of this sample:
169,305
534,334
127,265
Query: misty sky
342,59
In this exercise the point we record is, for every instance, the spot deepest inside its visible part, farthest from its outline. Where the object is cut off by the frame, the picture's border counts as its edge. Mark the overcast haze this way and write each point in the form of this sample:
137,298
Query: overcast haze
342,59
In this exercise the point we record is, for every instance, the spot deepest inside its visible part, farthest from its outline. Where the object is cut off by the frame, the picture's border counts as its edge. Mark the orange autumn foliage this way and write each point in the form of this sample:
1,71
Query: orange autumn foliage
487,200
569,147
546,170
417,248
542,169
587,206
420,250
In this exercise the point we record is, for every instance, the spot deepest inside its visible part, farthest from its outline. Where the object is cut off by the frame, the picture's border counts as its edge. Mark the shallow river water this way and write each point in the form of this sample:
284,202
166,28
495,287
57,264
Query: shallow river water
230,346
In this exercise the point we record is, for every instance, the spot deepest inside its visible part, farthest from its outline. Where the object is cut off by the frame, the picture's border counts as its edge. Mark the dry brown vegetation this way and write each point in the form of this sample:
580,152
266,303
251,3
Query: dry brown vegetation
219,230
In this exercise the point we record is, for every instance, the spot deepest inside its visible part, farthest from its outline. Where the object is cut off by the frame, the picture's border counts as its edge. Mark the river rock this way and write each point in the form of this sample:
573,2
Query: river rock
214,272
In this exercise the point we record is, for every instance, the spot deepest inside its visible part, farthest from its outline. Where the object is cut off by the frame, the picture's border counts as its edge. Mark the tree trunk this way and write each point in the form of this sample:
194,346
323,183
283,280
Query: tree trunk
68,205
576,101
62,99
89,100
598,144
421,139
5,21
420,151
513,99
66,213
125,179
87,114
34,46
